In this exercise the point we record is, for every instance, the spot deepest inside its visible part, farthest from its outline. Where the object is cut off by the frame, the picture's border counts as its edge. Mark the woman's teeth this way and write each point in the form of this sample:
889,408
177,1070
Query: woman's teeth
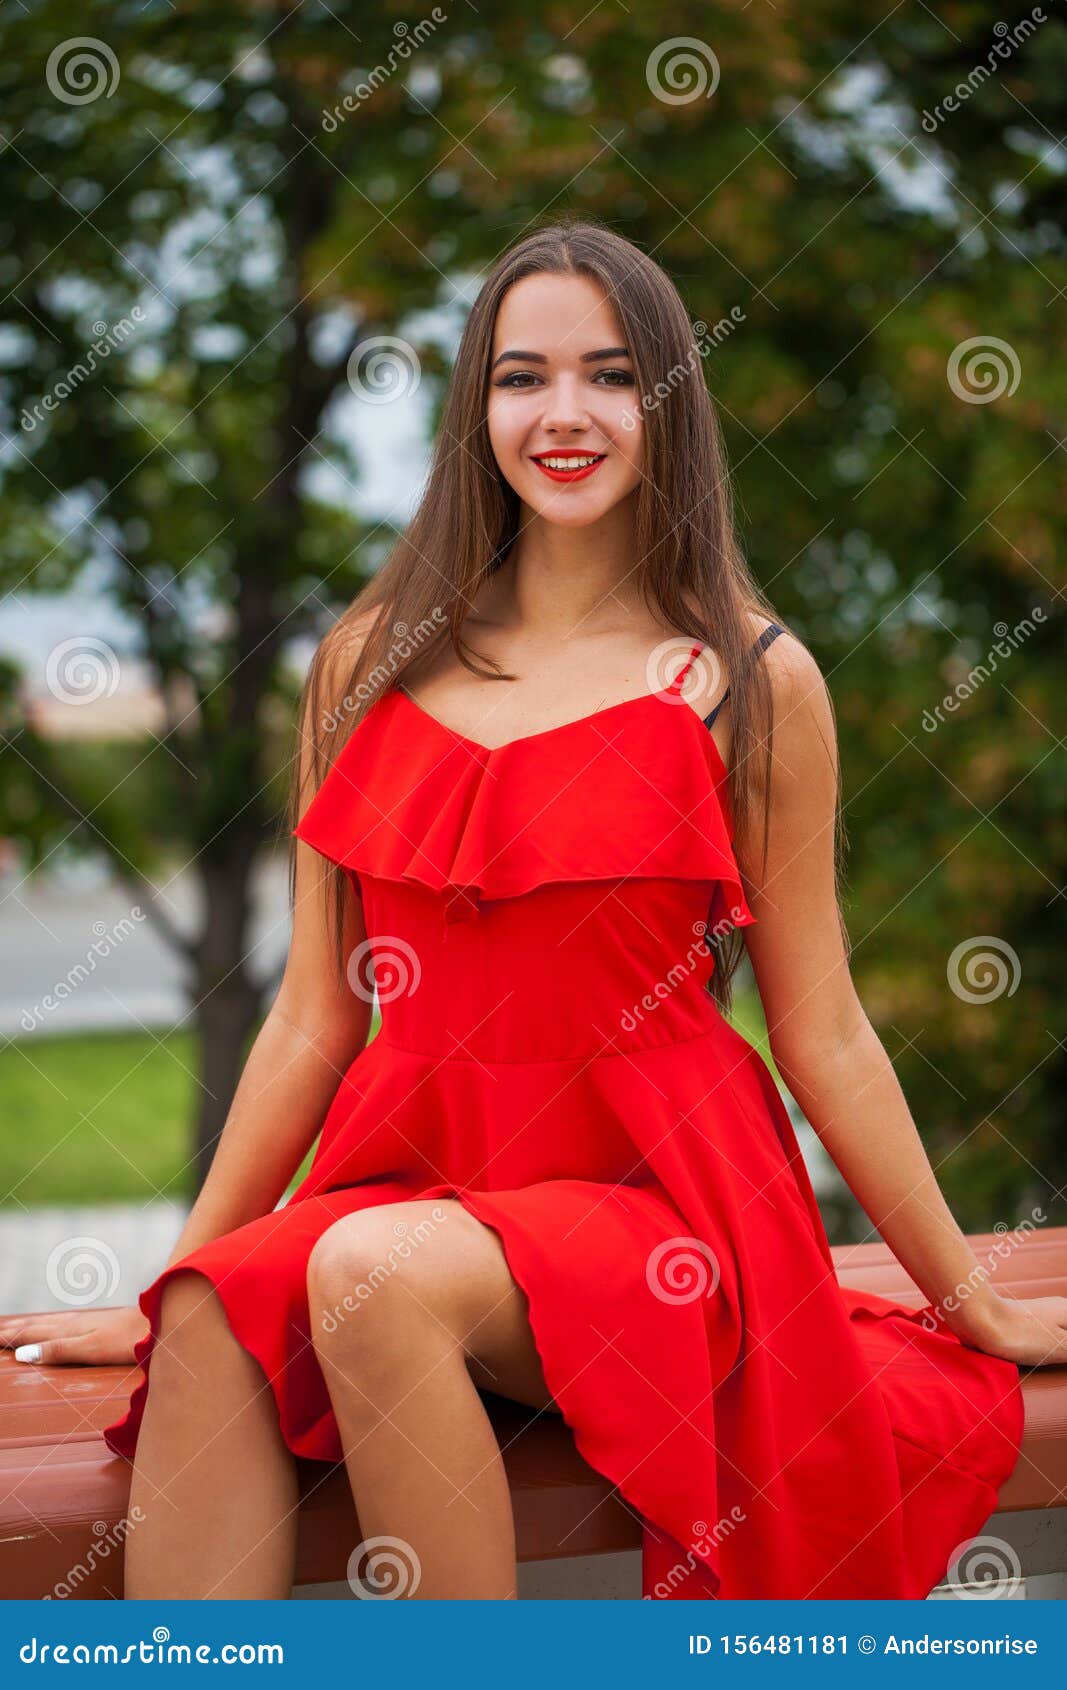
570,469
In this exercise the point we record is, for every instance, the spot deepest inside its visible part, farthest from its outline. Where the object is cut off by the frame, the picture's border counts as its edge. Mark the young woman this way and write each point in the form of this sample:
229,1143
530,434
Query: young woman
537,797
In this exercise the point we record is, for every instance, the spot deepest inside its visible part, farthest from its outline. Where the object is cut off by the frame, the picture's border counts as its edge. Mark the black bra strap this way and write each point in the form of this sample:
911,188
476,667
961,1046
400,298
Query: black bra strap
771,632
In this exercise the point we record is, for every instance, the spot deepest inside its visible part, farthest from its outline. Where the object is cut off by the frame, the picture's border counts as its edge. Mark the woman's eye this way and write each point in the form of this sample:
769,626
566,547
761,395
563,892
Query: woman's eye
523,378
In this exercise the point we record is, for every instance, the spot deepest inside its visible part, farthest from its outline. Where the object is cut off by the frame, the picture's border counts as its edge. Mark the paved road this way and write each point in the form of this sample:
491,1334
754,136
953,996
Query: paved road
80,954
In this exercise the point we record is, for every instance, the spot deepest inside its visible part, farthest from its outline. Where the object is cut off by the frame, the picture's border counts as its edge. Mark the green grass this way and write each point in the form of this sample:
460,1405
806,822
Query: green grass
108,1117
97,1117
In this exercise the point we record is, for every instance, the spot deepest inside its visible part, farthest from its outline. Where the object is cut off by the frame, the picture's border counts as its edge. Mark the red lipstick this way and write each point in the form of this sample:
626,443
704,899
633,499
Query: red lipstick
552,464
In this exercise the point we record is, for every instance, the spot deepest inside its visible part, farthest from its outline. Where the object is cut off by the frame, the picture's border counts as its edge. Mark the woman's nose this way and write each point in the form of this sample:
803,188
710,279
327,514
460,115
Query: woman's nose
565,406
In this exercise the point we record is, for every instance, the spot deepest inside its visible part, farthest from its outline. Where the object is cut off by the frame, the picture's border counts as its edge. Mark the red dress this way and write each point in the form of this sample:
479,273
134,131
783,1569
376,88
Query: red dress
549,1055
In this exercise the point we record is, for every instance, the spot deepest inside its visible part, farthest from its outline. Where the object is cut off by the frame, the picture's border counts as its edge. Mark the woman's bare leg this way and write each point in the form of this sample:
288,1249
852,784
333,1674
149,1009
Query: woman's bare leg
213,1479
412,1307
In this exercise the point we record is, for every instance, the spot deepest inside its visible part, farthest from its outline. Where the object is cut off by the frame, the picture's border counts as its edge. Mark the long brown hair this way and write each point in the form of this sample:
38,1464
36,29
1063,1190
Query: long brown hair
690,563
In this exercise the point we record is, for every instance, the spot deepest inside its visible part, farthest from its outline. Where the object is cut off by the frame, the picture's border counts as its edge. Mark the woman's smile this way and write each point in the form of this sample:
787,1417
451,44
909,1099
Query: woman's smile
568,466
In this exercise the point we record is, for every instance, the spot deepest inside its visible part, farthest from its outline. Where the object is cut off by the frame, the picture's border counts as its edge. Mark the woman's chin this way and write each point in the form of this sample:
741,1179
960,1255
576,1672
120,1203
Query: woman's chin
574,509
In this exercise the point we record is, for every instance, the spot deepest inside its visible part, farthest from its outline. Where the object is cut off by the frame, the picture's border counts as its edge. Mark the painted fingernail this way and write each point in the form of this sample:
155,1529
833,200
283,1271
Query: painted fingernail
28,1352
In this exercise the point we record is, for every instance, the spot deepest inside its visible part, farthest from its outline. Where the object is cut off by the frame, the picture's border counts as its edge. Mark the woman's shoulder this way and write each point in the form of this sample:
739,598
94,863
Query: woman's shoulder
330,701
336,658
799,698
790,664
805,733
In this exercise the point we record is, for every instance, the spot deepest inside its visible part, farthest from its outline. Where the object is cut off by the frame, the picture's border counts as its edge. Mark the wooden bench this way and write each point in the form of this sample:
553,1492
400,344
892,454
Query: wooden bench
63,1494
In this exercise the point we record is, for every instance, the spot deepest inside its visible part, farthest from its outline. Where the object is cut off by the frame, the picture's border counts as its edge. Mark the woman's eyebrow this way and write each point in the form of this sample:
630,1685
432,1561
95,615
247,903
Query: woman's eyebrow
539,357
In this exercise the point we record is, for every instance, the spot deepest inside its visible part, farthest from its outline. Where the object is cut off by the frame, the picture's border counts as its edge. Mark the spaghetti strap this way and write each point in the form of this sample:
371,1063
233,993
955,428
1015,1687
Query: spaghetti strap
771,632
686,666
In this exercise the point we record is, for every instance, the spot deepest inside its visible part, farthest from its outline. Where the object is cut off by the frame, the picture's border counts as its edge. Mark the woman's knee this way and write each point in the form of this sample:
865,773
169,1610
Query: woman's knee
194,1335
376,1279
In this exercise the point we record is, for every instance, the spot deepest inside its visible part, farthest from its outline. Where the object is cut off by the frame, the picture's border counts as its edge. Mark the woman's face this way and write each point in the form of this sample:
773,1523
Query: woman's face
562,388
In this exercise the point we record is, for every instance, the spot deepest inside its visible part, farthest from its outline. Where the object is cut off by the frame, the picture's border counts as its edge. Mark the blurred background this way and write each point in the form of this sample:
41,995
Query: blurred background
238,244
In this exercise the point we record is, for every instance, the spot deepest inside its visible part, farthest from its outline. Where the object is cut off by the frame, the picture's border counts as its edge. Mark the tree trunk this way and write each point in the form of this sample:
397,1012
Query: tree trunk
228,1000
224,1020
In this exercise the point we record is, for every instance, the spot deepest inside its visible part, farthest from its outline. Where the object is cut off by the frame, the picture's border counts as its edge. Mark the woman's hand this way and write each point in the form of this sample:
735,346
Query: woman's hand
89,1336
1029,1330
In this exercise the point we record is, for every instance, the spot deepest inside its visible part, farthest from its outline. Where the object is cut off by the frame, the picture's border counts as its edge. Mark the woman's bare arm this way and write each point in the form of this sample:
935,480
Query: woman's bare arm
826,1048
314,1029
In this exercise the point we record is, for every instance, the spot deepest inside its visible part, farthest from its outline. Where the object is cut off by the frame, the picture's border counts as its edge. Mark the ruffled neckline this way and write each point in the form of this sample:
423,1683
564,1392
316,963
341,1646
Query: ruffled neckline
609,795
590,718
